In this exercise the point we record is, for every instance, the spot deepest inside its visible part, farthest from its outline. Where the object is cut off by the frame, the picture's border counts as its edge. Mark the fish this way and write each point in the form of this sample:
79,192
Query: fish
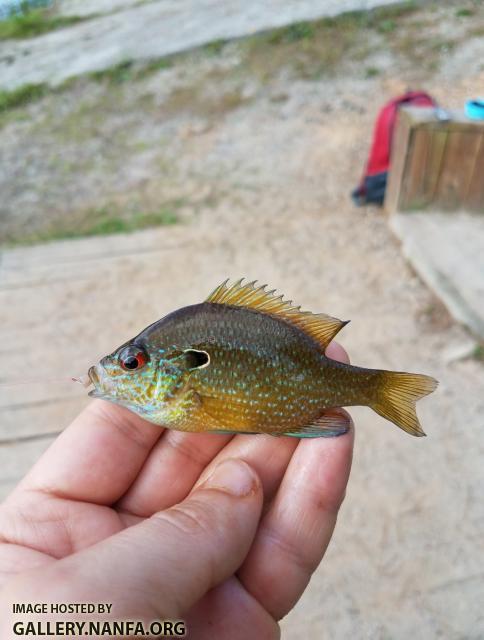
248,361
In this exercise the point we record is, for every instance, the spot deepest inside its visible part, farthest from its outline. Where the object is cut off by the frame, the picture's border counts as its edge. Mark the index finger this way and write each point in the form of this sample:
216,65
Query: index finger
96,458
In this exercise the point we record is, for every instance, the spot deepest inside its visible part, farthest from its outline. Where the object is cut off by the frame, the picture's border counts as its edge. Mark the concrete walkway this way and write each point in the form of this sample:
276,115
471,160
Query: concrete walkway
447,250
150,30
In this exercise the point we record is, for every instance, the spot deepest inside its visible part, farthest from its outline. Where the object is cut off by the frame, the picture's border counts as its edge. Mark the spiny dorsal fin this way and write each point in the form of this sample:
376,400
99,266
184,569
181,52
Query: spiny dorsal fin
320,327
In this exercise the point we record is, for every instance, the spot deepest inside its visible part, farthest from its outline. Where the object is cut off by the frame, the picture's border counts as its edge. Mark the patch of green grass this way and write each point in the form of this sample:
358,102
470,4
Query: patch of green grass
22,96
371,72
424,54
34,22
382,19
386,26
313,49
126,71
308,50
442,46
215,47
464,13
129,71
478,353
397,10
117,74
292,33
103,221
152,66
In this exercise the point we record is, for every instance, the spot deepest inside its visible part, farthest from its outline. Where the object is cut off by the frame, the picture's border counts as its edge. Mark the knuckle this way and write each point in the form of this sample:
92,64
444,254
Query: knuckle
185,446
296,555
192,517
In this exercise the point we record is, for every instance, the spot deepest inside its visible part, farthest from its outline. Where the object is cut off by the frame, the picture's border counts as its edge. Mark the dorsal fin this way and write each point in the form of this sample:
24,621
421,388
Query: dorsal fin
320,327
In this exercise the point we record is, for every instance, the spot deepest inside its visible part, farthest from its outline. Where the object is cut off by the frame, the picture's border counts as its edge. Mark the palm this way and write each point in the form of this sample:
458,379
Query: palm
110,470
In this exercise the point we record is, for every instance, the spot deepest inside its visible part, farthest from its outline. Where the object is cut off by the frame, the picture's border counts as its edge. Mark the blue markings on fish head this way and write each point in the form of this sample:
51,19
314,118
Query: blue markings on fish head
143,381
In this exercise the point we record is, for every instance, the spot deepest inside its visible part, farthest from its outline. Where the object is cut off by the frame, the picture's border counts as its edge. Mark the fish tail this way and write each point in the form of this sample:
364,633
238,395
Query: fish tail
396,395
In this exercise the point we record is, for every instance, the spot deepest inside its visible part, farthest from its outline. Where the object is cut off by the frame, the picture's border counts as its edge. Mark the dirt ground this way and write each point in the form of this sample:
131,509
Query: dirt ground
136,143
254,151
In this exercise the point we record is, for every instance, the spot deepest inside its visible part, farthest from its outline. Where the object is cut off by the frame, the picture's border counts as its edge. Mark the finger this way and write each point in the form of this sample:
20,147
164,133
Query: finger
15,559
229,611
336,352
170,471
268,455
295,532
96,458
172,559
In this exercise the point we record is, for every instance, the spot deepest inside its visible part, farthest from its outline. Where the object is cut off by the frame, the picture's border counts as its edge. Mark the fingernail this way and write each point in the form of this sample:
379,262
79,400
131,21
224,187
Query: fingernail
234,477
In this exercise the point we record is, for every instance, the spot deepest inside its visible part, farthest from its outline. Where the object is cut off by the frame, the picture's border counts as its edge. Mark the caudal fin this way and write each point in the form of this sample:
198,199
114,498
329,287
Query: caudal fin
396,396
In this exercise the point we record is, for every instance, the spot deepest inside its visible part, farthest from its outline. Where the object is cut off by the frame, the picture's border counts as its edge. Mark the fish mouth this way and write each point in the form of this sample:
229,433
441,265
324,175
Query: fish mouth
97,380
103,387
93,375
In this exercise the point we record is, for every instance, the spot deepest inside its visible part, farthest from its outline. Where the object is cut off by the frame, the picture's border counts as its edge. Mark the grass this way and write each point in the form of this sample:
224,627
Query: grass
464,13
126,71
34,22
130,71
371,72
215,47
387,26
108,223
382,19
292,33
152,66
479,353
21,96
314,49
103,221
117,74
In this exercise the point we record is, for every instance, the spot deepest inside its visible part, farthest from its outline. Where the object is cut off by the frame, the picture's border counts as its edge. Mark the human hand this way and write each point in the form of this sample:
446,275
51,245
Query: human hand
221,531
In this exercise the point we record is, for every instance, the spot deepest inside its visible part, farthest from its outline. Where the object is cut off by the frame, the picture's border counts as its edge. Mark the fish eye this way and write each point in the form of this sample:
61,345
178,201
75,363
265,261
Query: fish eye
132,358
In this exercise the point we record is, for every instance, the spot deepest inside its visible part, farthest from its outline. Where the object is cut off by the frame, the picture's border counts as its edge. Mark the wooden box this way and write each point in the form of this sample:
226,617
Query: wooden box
435,163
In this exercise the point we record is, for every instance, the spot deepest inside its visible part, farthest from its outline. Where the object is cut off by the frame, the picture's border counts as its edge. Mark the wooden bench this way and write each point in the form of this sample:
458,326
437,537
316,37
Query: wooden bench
435,163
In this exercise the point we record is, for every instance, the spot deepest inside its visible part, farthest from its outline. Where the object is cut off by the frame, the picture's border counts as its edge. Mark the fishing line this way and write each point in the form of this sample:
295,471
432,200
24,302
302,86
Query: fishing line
82,380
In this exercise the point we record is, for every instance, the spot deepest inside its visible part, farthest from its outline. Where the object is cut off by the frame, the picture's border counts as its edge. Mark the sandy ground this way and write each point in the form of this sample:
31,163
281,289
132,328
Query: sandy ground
153,142
265,195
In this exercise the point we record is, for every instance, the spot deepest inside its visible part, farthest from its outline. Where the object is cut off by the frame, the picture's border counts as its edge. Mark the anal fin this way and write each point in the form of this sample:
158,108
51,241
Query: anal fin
331,423
233,432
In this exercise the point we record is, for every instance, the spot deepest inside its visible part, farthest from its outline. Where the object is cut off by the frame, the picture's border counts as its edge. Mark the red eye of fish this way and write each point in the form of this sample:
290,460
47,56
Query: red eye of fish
132,358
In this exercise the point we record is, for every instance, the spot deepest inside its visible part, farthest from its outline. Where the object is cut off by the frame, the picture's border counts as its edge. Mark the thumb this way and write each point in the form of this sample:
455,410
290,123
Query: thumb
170,560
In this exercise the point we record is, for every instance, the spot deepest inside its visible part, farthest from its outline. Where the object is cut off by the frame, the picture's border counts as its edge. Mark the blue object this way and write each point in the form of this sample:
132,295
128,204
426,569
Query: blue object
15,7
475,109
